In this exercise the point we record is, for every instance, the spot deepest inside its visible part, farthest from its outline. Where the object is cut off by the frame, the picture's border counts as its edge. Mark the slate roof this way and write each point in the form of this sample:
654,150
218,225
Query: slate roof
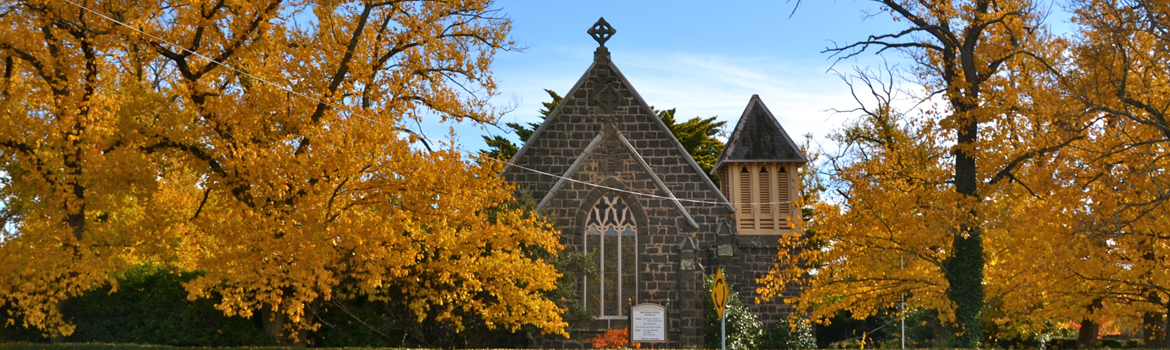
758,137
579,123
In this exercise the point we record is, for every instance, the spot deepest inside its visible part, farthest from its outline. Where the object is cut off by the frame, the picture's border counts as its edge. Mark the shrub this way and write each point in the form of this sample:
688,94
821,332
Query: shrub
151,307
613,339
743,329
1061,343
786,335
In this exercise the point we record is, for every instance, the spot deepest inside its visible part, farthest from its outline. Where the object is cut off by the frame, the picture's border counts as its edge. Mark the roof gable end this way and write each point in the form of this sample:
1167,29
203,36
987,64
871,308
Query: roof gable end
602,69
758,137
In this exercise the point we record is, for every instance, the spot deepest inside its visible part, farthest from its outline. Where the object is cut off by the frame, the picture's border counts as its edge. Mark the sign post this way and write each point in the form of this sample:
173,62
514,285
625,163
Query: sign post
719,294
647,323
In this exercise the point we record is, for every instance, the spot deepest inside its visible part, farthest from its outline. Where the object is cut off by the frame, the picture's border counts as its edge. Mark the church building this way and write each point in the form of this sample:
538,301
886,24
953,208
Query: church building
624,190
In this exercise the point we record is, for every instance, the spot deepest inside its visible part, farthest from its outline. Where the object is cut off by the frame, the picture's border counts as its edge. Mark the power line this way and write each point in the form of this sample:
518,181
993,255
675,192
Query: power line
346,109
651,195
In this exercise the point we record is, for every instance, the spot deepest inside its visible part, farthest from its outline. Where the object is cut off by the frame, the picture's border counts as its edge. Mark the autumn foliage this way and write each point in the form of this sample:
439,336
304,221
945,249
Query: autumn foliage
1019,183
265,143
618,338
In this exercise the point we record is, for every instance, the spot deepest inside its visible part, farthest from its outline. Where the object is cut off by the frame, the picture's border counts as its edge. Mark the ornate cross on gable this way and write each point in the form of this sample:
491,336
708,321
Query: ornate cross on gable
601,31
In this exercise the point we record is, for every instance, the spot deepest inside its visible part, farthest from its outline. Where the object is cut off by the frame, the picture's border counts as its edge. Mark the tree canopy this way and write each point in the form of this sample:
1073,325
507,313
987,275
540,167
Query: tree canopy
264,143
938,203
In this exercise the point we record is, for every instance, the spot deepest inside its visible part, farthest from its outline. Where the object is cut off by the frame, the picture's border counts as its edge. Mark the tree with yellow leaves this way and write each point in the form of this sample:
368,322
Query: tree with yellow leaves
924,199
264,143
1118,174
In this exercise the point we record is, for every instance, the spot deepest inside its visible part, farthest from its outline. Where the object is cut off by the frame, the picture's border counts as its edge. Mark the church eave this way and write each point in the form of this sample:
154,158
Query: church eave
556,112
678,145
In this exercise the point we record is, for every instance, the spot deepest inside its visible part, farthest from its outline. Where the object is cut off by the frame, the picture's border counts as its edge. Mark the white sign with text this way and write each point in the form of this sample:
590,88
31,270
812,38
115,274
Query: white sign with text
647,323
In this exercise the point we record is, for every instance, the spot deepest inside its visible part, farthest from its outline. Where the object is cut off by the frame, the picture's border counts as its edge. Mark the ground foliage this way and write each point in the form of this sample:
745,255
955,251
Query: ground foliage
149,307
743,328
265,144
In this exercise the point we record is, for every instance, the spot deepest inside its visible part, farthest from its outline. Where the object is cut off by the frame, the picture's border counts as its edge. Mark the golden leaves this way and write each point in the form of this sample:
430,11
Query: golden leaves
262,142
1070,184
914,188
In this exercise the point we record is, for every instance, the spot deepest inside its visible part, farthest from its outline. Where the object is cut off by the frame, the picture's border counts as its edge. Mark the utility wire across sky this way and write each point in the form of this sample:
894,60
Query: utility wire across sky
347,110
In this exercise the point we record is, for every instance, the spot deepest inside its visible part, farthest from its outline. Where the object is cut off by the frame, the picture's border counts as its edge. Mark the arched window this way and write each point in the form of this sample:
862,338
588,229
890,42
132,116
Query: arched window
611,239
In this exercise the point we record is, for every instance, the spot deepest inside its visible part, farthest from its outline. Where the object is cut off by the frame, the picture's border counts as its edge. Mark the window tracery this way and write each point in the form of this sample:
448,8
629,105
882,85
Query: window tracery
611,240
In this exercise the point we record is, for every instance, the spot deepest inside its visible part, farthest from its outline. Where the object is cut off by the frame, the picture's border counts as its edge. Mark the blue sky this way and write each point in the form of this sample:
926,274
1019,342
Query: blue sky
704,58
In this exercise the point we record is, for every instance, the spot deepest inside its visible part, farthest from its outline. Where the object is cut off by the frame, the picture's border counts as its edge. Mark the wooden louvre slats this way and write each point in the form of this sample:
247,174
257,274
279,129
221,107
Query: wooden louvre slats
746,219
766,220
763,193
784,196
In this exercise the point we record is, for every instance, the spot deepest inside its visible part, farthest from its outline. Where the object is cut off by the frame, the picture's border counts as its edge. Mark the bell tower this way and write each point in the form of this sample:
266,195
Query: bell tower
758,173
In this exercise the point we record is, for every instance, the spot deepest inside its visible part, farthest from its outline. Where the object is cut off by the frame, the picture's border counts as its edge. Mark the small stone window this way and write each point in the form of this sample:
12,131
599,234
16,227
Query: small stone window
611,239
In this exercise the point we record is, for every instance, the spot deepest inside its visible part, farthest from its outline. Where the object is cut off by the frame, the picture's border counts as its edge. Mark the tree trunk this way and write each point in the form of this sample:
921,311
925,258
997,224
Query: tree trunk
1153,332
1087,335
964,269
274,325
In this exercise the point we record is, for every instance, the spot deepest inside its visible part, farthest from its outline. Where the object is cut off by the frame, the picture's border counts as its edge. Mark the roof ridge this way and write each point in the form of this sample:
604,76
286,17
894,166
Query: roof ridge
758,136
678,145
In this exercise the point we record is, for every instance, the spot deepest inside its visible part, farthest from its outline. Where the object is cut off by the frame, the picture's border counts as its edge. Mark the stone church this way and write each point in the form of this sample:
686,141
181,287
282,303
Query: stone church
623,189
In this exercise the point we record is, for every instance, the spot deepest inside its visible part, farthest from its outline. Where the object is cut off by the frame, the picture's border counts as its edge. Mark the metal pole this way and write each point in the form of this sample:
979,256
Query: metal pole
903,321
723,330
902,265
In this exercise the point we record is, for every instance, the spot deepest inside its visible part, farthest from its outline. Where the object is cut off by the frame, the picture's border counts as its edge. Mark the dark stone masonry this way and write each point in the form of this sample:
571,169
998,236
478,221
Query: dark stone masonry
624,189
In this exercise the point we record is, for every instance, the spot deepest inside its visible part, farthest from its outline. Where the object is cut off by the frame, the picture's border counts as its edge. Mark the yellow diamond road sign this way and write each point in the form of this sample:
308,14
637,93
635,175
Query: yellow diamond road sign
719,293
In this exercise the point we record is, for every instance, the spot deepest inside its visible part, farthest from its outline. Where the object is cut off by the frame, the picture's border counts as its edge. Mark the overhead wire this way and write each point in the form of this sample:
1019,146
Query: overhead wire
346,109
651,195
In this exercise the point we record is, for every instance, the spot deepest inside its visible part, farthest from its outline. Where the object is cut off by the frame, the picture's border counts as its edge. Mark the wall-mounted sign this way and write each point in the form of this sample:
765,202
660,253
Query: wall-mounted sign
647,323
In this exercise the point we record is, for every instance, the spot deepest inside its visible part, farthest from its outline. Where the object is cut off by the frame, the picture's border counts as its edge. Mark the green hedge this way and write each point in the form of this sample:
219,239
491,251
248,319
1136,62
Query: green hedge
150,307
102,346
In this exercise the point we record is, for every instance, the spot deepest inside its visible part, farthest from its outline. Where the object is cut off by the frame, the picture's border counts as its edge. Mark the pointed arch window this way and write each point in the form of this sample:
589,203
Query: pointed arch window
611,239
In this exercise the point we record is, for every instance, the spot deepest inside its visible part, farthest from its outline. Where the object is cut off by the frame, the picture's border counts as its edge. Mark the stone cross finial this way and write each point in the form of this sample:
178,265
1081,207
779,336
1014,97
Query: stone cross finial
601,31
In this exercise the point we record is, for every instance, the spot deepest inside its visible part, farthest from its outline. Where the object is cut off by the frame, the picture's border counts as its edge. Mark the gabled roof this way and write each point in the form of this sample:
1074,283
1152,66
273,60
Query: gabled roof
611,132
758,137
602,66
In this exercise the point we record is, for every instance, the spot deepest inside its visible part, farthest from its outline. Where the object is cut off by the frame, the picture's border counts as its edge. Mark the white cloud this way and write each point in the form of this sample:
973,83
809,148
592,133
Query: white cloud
801,93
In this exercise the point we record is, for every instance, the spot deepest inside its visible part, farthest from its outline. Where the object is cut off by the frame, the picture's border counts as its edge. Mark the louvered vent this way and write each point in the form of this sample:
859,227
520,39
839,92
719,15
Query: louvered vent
745,191
766,220
784,196
746,219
